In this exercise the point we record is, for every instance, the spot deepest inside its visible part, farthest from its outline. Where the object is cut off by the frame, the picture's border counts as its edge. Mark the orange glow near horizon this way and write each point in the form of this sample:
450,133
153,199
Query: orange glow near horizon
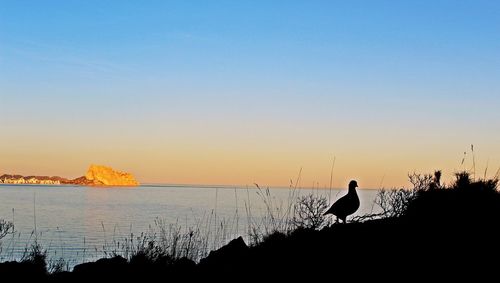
217,165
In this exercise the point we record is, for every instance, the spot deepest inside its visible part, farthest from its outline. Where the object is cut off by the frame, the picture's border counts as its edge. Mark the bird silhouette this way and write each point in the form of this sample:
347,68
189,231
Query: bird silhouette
345,205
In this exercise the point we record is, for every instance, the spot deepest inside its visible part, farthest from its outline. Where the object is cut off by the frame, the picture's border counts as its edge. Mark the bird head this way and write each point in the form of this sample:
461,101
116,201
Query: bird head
353,185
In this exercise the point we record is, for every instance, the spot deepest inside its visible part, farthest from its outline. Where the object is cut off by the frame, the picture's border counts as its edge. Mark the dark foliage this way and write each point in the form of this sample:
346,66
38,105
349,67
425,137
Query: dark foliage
308,212
31,266
435,232
6,228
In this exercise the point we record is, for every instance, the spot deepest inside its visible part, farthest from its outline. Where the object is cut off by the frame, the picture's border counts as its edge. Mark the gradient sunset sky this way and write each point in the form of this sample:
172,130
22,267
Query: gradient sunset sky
243,92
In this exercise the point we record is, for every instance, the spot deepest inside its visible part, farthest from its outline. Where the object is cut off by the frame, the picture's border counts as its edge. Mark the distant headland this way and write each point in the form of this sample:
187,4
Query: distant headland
97,175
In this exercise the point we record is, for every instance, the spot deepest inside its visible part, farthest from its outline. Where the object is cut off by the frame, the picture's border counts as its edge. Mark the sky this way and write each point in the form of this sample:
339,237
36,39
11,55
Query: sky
244,92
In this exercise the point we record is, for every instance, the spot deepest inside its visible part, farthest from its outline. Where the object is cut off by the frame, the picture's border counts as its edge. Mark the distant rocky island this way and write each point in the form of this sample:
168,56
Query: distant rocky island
97,175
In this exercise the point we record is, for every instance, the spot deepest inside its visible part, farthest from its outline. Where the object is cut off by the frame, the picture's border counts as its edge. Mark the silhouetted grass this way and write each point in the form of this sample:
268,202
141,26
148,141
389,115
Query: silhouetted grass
277,217
428,220
167,240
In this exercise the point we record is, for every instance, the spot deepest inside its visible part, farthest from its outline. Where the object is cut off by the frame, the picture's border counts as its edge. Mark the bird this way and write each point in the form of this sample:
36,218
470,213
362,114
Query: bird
345,205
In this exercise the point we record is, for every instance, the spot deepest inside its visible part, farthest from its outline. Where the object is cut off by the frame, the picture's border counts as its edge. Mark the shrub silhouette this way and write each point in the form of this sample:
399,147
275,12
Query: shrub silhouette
395,202
6,227
308,212
465,200
36,256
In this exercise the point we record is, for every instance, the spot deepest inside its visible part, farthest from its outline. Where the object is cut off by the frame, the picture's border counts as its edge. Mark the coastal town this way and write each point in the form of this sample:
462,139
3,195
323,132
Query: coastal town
35,180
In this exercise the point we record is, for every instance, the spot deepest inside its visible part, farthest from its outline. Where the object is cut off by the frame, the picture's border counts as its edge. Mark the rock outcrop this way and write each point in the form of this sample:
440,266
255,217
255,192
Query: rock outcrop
104,175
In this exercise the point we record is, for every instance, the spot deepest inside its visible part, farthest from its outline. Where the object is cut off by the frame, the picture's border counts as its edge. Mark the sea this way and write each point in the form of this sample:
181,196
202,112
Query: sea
79,224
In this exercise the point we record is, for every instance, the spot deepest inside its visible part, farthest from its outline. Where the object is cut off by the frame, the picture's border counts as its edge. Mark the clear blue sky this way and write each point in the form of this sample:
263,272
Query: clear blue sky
244,91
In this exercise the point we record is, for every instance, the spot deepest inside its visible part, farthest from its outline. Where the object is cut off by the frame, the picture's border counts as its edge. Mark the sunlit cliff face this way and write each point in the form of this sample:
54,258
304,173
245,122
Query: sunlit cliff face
103,175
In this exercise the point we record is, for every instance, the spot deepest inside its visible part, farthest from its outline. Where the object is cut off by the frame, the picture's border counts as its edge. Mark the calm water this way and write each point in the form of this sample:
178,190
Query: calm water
75,223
